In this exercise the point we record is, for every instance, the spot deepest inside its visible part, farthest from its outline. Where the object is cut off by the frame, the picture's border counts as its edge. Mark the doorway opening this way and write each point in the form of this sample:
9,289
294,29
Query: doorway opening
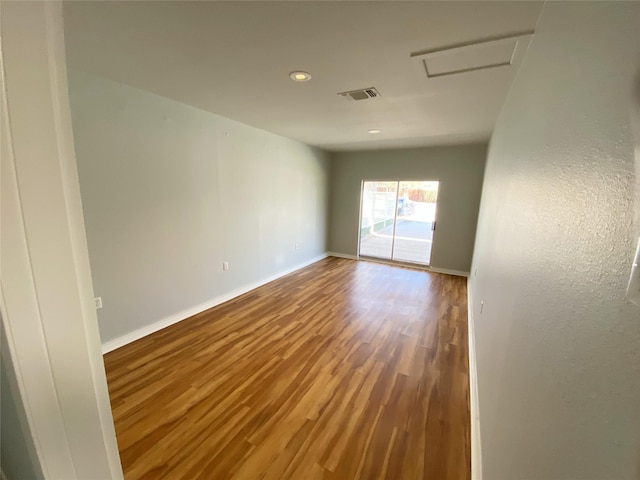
397,220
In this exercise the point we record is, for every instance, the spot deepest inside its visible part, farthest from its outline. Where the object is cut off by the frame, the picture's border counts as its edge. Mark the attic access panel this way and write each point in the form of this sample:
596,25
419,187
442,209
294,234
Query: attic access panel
470,57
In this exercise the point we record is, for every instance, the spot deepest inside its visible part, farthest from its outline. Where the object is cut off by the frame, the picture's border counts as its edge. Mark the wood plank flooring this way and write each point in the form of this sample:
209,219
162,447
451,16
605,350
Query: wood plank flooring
342,370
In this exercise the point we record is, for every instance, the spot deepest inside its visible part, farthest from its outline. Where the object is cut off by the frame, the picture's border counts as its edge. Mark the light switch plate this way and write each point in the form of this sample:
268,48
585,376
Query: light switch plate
633,290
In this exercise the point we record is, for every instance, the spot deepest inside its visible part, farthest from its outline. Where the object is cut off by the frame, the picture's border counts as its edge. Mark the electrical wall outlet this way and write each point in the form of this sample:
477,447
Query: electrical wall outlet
98,302
225,265
633,289
296,246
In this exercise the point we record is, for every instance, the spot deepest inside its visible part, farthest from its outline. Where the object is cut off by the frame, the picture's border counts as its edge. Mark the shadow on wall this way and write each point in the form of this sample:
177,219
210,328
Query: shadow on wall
635,126
16,448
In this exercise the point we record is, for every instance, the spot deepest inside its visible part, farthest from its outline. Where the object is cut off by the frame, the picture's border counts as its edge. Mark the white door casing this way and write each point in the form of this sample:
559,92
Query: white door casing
47,295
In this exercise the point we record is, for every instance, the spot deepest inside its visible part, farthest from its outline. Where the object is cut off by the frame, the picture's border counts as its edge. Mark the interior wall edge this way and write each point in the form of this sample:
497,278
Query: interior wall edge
476,446
48,317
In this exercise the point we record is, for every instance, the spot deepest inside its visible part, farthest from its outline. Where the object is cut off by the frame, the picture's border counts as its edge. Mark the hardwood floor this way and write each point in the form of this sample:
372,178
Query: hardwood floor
342,370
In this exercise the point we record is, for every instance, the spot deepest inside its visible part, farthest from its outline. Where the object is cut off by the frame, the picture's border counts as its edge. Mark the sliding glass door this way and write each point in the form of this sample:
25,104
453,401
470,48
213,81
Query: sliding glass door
397,220
377,219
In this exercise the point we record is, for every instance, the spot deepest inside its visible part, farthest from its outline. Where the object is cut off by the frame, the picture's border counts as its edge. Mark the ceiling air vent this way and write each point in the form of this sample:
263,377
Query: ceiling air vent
362,94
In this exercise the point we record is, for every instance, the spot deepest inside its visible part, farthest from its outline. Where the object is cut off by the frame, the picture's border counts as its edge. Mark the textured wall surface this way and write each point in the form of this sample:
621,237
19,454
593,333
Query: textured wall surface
170,192
558,347
459,170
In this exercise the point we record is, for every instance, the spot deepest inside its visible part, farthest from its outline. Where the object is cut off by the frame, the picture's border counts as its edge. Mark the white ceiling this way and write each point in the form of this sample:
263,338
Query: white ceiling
233,58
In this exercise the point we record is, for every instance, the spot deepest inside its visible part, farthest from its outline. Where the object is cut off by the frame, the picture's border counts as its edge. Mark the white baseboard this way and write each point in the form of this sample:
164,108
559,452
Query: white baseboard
190,312
457,273
342,255
476,451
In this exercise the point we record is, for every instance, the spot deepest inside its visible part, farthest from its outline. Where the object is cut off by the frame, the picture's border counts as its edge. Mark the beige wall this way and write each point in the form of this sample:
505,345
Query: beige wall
558,346
170,192
459,170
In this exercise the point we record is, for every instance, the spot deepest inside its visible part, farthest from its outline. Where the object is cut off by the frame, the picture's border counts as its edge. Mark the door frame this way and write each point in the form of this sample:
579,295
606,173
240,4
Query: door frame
391,260
49,321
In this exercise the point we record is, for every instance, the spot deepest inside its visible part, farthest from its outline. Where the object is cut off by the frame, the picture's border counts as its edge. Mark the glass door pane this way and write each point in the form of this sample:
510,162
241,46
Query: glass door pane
377,219
416,214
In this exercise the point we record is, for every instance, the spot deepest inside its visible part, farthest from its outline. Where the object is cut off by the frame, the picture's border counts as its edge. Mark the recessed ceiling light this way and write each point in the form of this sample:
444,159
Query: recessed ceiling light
300,76
374,131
